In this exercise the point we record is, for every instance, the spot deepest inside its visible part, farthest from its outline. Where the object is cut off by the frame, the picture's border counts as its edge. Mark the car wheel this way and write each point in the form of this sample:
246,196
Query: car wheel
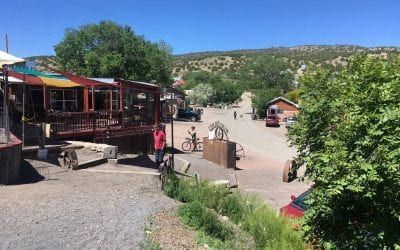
193,119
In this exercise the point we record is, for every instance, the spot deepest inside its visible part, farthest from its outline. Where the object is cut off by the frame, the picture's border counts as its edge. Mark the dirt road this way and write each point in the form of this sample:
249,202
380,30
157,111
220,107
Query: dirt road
266,151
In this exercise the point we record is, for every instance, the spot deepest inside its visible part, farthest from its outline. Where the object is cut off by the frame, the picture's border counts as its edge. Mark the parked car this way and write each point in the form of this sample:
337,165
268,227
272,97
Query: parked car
188,114
272,120
297,206
290,121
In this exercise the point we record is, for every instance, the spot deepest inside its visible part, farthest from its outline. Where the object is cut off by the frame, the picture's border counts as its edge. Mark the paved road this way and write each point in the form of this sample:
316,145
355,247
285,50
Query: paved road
266,151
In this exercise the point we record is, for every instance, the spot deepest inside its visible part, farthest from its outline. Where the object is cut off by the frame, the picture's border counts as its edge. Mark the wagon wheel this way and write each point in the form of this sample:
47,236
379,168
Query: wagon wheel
239,151
219,134
70,159
289,173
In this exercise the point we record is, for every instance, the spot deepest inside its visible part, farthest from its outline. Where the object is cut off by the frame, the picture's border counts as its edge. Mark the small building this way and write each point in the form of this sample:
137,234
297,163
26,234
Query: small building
282,107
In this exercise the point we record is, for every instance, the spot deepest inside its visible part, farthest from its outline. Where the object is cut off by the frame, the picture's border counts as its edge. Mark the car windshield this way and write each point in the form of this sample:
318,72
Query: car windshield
301,201
292,119
271,117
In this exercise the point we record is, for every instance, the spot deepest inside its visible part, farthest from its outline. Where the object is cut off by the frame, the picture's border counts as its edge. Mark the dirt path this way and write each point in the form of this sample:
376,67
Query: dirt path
79,210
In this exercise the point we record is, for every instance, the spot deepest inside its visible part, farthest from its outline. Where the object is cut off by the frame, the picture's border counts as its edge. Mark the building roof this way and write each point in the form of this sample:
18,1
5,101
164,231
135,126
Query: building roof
280,98
6,58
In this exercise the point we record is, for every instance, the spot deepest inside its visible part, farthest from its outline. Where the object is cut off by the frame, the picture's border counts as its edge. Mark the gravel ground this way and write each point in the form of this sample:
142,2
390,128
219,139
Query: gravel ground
79,210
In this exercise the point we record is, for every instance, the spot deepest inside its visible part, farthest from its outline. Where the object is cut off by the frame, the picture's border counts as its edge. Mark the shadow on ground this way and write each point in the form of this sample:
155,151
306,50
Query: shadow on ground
139,161
28,174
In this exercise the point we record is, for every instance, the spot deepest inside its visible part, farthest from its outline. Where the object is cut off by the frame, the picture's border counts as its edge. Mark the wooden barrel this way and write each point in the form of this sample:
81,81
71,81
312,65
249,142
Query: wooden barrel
10,159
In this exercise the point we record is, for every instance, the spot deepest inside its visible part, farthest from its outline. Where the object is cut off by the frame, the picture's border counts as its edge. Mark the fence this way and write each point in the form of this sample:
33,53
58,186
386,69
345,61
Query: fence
76,121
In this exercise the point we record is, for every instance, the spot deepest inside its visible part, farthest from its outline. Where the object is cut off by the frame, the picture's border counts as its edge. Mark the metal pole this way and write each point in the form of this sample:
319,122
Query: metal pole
6,100
172,132
23,110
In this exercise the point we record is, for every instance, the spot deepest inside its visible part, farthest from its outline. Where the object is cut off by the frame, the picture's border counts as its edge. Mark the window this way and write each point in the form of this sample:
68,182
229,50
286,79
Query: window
63,99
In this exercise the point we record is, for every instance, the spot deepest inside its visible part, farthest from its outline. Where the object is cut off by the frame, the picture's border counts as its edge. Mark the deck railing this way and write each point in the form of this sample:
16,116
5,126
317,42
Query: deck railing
75,121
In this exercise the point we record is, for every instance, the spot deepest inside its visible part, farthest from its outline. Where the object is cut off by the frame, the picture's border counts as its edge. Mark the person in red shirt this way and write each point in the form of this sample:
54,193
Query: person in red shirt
159,144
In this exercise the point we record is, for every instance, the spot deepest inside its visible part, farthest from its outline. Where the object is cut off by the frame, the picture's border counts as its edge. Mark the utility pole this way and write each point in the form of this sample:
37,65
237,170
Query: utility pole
6,43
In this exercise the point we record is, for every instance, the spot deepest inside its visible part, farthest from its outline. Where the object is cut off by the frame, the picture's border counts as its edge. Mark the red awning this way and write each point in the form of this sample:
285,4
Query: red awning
85,81
34,80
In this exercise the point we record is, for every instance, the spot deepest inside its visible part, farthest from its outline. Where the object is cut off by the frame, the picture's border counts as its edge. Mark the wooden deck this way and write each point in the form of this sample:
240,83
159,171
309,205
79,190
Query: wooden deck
99,125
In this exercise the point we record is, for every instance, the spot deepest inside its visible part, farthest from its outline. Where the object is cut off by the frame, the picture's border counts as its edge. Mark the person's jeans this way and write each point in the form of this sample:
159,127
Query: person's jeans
159,156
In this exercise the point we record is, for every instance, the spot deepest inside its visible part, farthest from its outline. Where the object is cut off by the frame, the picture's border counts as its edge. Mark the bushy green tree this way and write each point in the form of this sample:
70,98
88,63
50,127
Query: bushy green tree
266,72
293,95
202,94
110,50
194,78
224,91
348,138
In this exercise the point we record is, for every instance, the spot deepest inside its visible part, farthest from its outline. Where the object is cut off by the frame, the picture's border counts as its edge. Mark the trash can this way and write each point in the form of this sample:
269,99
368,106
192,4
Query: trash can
253,116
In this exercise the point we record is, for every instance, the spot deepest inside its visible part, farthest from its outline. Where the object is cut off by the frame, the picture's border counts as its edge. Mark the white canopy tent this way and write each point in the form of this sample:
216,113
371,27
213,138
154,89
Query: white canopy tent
6,58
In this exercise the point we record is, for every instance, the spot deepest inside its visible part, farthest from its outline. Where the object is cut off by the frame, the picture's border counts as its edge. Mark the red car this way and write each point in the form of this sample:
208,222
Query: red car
272,120
297,207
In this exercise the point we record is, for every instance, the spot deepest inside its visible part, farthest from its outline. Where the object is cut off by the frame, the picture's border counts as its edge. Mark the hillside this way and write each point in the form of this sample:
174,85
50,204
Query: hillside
330,56
43,63
221,61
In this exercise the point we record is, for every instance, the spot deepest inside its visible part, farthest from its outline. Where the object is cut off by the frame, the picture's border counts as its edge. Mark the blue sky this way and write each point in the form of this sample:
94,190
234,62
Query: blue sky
35,26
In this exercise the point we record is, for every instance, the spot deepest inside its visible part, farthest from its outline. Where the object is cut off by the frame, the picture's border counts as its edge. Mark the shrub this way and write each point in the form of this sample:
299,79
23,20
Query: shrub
251,213
196,215
233,206
189,190
271,231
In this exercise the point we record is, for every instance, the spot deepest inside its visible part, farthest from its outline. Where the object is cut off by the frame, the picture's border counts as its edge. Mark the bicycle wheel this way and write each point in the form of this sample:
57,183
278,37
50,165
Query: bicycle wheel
186,146
199,146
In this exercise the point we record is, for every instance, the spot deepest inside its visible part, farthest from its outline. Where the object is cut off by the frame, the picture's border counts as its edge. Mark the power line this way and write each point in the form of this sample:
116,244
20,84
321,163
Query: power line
30,30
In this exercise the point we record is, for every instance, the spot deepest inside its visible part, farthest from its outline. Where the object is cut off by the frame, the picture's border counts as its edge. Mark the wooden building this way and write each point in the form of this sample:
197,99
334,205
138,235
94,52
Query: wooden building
282,107
115,111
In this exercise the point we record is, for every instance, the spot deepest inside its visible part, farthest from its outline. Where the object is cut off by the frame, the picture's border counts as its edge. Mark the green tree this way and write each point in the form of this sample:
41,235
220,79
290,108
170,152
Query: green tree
266,72
348,138
202,94
225,91
110,50
195,78
293,95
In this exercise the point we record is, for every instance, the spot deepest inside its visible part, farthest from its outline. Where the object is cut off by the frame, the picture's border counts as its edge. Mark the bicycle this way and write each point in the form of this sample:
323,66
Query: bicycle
165,170
187,145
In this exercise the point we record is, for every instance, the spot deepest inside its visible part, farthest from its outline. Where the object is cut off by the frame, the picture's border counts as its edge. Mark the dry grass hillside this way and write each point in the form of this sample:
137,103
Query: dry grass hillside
333,57
328,56
44,63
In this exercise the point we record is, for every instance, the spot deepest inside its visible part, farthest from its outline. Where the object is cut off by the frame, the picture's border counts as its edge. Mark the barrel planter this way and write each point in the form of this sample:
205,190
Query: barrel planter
10,159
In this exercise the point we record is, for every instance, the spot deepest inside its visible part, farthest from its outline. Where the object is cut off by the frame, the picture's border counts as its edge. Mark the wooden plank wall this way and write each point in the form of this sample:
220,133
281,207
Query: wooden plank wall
10,159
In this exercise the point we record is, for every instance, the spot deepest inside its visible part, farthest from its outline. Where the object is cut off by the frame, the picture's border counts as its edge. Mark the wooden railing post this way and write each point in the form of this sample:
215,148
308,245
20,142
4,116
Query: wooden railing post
94,120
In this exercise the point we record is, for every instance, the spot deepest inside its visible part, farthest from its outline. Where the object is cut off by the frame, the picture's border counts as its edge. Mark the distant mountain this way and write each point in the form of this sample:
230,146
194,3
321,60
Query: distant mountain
330,56
43,63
